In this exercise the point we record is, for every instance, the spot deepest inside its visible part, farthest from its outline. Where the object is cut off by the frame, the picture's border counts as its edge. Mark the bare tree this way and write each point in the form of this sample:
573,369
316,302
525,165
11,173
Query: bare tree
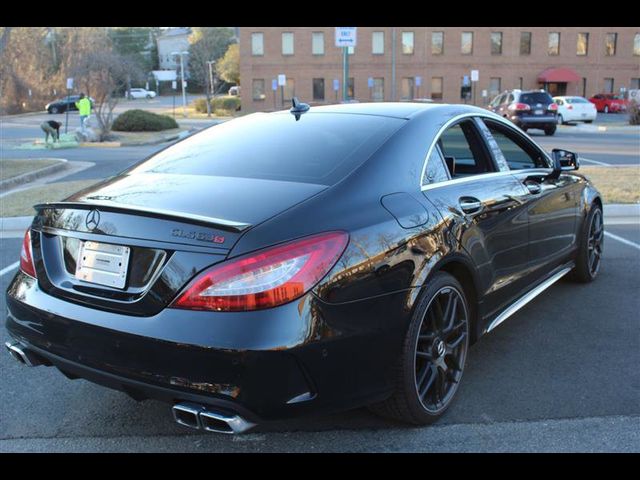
105,74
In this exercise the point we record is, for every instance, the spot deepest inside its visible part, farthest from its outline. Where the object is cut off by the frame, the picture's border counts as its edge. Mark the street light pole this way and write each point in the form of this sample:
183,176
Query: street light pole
184,94
210,76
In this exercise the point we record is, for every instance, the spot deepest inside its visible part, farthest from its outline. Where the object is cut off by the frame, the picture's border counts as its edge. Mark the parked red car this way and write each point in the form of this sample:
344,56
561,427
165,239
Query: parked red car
608,102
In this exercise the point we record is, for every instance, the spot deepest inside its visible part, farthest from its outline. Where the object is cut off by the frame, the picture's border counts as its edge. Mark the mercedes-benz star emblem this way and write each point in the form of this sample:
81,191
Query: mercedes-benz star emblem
93,219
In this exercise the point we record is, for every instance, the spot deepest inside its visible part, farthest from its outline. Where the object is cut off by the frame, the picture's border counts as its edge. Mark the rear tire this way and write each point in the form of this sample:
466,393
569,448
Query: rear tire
550,130
560,120
590,249
53,110
433,354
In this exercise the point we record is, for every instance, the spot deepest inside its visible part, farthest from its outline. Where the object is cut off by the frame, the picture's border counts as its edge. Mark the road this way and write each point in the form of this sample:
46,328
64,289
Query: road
560,375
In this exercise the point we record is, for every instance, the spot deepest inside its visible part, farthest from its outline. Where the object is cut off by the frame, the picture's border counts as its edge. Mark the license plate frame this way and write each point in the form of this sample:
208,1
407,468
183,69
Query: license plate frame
103,264
538,112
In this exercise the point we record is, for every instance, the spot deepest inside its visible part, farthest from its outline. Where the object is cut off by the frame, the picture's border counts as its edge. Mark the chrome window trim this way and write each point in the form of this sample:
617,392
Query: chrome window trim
455,120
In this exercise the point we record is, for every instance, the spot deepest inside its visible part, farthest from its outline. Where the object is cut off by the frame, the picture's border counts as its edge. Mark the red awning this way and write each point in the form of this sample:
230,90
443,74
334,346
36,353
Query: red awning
562,75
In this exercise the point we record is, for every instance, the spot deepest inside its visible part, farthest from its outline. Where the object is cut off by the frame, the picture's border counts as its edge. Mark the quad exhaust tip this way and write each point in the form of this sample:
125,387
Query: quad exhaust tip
203,418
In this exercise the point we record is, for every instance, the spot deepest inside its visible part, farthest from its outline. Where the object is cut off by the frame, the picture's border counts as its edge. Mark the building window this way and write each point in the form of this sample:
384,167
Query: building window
378,90
494,86
496,43
610,41
636,45
437,43
608,85
258,89
525,43
317,43
257,43
351,88
436,88
582,48
467,44
377,43
407,43
635,84
289,89
553,47
287,43
318,89
406,88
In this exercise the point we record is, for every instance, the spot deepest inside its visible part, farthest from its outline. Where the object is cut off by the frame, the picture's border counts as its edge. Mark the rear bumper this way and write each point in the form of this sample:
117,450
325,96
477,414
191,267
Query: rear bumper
266,365
534,121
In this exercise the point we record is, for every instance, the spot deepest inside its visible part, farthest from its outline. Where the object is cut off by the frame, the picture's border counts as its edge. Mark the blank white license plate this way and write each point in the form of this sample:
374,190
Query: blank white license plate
537,112
103,263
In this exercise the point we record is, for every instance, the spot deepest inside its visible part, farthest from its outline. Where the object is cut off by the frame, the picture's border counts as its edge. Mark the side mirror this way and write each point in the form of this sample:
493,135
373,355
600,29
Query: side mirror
563,161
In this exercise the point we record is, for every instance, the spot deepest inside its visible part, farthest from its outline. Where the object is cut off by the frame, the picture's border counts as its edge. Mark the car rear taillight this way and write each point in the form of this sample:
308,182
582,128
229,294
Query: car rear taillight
26,256
554,107
519,107
267,278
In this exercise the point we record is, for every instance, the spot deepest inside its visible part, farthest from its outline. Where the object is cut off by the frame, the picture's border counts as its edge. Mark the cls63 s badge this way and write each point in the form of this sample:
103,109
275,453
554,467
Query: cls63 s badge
201,236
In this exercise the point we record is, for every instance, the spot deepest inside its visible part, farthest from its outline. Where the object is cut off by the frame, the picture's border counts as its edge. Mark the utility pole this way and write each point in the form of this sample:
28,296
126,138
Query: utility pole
211,76
345,73
184,94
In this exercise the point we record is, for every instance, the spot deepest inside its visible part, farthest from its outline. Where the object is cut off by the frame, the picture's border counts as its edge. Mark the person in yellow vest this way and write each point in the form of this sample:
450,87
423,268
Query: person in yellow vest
84,107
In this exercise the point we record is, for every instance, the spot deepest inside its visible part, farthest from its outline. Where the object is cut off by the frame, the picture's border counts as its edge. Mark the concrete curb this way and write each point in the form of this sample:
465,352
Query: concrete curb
171,138
31,176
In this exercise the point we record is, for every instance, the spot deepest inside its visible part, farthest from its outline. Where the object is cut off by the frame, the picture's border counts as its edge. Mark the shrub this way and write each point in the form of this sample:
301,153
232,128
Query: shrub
634,113
226,103
143,121
200,105
223,113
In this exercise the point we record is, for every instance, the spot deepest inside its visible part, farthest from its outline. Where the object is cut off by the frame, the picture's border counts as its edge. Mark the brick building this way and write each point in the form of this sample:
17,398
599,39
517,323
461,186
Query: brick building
564,60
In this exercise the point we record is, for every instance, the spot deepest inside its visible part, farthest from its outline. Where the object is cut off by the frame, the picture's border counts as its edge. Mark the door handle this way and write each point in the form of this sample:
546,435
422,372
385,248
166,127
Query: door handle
470,205
533,187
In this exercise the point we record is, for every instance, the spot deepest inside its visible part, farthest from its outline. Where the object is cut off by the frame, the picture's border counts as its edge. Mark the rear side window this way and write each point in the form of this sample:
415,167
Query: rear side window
320,148
536,97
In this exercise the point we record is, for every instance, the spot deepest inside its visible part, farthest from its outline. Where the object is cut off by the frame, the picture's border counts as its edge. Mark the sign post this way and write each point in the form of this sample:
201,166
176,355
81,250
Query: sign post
345,38
475,75
174,86
282,81
69,88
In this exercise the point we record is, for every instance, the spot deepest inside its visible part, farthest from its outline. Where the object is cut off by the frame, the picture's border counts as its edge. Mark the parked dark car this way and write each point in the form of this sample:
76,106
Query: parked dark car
62,104
278,264
527,109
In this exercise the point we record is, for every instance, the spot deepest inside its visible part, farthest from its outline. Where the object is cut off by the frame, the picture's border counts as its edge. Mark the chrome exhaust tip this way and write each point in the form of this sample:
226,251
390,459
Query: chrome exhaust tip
203,418
22,354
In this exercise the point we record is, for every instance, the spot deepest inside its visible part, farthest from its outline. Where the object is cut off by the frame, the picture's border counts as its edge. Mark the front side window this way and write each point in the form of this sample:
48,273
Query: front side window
496,43
287,43
437,43
257,43
610,41
518,154
407,43
582,47
466,43
317,43
553,47
377,43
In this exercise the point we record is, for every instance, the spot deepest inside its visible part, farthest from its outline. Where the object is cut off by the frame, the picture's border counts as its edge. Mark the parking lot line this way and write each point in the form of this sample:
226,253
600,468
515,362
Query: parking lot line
8,269
622,240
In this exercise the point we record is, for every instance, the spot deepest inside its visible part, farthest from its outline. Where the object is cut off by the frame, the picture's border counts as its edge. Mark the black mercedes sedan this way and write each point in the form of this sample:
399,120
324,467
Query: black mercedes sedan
301,261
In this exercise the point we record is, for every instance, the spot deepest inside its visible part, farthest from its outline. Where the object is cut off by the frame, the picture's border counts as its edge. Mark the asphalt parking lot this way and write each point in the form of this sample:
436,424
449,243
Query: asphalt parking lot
560,375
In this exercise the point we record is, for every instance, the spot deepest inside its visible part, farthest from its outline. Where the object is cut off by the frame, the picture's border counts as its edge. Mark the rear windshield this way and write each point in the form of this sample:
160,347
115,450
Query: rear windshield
536,97
577,100
320,148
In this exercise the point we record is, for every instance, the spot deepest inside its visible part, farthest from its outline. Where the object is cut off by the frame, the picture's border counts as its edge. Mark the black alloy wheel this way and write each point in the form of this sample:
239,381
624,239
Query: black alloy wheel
433,356
53,110
589,255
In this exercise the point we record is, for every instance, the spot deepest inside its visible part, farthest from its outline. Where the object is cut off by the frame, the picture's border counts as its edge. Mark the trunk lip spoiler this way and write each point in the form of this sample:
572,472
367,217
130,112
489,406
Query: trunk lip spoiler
149,211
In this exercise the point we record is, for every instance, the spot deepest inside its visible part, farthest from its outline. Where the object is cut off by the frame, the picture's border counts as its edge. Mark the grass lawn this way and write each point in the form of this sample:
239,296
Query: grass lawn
21,203
616,184
13,168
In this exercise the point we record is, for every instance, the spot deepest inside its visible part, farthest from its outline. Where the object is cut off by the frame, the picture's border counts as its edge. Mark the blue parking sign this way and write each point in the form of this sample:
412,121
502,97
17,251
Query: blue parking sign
370,82
274,84
336,84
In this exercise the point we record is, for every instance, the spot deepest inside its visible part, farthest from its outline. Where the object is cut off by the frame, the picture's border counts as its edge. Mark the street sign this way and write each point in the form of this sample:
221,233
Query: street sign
418,81
69,83
465,81
282,79
346,36
336,84
475,75
484,93
370,82
174,85
274,84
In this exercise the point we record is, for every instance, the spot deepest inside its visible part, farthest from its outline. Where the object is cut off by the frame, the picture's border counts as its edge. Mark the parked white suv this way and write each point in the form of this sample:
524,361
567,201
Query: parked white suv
141,93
